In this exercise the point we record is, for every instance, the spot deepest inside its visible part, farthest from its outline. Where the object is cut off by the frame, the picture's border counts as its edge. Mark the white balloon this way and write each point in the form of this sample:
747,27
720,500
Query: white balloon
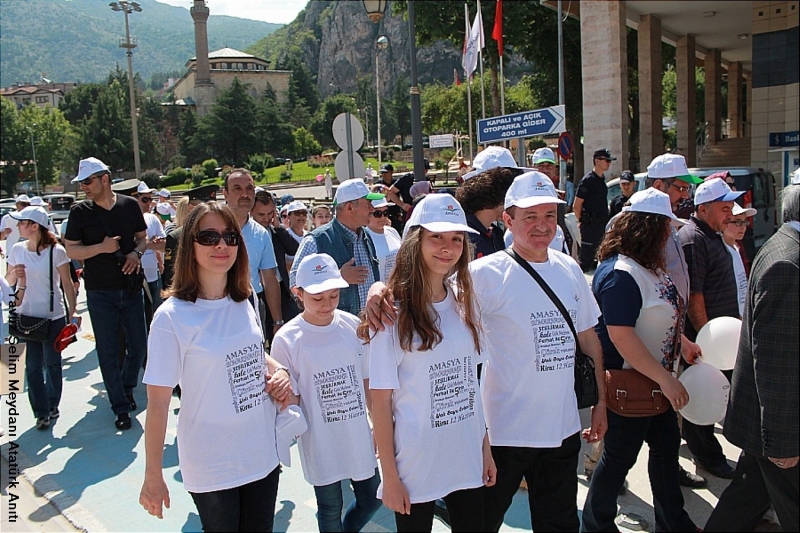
719,340
708,390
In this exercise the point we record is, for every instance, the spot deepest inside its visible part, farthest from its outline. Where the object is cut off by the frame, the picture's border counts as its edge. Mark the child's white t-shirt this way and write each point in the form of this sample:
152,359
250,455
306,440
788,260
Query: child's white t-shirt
328,366
740,274
213,349
438,414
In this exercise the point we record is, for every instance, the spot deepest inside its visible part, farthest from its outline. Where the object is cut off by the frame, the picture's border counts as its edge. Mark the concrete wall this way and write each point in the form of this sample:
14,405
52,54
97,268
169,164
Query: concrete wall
774,79
222,80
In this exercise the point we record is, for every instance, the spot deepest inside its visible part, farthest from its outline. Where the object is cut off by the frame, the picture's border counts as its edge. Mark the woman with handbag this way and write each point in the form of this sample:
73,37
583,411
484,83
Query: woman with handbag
42,314
640,334
207,338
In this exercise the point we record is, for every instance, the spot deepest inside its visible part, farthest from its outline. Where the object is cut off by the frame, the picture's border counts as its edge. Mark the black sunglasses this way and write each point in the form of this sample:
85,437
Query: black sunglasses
211,238
731,183
145,199
380,214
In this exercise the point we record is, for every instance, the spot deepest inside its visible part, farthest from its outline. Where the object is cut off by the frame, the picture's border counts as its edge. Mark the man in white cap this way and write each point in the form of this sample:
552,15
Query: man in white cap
528,388
713,293
545,162
8,225
108,233
345,239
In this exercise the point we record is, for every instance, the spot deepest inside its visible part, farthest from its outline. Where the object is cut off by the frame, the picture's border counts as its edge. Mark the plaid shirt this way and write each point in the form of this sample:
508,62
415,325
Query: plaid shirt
309,246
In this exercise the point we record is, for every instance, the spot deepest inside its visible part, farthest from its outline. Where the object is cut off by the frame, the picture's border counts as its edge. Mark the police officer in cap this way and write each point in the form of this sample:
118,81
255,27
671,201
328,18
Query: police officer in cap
627,183
197,196
591,209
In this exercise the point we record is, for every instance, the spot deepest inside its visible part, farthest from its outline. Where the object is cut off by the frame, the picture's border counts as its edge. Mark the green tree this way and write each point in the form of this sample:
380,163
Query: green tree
77,103
305,144
399,106
229,130
328,110
189,143
12,145
106,134
275,135
52,135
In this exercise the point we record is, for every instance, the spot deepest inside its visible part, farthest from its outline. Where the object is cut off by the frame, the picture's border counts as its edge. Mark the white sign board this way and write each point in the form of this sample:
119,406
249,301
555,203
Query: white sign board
341,124
441,141
342,167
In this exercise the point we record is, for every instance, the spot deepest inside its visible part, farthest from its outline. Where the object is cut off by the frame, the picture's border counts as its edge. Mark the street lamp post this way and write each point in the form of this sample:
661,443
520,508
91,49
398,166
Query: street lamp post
35,167
375,9
127,7
381,44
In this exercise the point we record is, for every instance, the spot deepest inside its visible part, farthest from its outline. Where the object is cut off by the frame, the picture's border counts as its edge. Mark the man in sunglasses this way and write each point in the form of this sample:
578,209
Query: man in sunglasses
108,233
196,196
239,190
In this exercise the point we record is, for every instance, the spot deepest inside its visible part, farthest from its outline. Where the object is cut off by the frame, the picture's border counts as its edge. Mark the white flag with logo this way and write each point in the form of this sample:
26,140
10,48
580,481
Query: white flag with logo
474,44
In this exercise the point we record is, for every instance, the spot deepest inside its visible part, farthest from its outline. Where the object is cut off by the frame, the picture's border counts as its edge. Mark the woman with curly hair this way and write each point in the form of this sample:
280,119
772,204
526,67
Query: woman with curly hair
423,377
640,329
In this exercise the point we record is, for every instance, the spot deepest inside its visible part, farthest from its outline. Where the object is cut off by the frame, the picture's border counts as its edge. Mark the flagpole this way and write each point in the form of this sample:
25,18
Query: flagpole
502,89
480,59
469,84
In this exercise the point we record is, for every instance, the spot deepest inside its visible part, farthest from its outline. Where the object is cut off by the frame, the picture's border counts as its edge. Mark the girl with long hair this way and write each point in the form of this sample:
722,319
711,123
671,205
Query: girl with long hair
207,338
47,270
427,410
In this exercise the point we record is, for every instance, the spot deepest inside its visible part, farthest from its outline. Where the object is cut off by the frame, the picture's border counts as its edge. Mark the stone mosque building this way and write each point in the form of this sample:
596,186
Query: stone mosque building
209,73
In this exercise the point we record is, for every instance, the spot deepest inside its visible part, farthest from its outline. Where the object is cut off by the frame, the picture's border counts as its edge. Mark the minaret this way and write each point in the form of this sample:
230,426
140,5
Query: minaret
204,91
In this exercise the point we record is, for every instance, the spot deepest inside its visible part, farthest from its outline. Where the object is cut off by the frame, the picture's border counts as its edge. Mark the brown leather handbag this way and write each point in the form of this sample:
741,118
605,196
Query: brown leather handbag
632,394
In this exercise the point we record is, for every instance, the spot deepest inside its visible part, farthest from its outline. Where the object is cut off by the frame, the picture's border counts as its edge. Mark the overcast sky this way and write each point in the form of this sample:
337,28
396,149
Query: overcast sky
277,11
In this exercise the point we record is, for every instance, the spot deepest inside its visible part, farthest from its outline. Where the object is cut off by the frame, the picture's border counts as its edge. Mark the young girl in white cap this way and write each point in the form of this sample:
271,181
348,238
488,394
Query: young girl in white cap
427,409
330,382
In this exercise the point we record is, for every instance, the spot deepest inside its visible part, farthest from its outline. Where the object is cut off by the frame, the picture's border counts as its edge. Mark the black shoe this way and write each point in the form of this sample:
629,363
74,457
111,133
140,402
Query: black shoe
43,423
440,511
54,413
693,481
723,470
123,421
132,401
624,488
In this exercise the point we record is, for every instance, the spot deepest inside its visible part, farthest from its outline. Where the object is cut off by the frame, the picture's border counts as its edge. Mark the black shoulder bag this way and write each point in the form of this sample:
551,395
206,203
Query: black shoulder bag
585,379
133,282
31,328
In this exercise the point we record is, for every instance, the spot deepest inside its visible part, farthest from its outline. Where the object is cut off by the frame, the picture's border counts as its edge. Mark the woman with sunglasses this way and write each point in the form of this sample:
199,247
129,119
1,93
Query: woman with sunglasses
426,407
47,270
384,236
207,338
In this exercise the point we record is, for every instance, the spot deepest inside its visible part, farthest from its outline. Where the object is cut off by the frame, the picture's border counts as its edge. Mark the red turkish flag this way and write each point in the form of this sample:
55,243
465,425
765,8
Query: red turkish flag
497,32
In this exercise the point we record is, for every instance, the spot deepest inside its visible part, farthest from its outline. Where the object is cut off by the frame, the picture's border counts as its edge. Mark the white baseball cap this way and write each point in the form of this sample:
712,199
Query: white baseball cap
796,177
88,167
652,201
34,214
289,424
297,205
544,155
438,212
22,198
318,273
739,210
37,201
163,208
673,166
491,157
530,189
142,188
377,204
354,189
715,190
164,193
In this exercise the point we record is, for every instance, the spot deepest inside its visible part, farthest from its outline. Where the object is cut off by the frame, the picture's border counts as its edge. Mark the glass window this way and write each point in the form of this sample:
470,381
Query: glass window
759,192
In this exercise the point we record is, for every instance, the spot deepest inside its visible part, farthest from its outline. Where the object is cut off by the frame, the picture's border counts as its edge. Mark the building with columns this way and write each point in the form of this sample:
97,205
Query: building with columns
752,45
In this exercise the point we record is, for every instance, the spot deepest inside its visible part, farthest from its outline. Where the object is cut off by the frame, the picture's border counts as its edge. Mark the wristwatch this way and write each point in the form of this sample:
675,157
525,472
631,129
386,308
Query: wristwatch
139,253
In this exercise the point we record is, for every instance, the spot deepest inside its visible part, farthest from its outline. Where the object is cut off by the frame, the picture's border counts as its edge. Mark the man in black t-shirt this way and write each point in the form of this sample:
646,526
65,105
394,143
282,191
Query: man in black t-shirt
400,192
591,207
108,233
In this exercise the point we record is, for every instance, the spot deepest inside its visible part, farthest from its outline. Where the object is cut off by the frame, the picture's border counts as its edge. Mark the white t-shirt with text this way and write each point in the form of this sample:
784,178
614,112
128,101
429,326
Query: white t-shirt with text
149,259
438,416
528,385
741,276
386,246
226,425
328,366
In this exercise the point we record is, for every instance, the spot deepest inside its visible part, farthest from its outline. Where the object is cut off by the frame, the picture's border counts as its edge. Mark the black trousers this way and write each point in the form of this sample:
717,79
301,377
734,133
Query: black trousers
552,485
591,236
756,485
464,506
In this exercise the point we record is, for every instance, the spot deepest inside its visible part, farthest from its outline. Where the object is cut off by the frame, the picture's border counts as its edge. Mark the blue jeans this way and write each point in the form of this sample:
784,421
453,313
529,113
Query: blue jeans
108,310
43,371
623,440
250,507
155,292
360,510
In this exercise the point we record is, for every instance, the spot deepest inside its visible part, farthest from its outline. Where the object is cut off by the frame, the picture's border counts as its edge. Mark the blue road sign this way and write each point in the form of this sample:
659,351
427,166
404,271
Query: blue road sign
565,145
525,124
779,139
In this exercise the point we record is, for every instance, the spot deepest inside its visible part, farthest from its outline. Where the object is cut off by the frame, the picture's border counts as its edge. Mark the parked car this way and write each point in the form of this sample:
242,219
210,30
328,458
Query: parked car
59,205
